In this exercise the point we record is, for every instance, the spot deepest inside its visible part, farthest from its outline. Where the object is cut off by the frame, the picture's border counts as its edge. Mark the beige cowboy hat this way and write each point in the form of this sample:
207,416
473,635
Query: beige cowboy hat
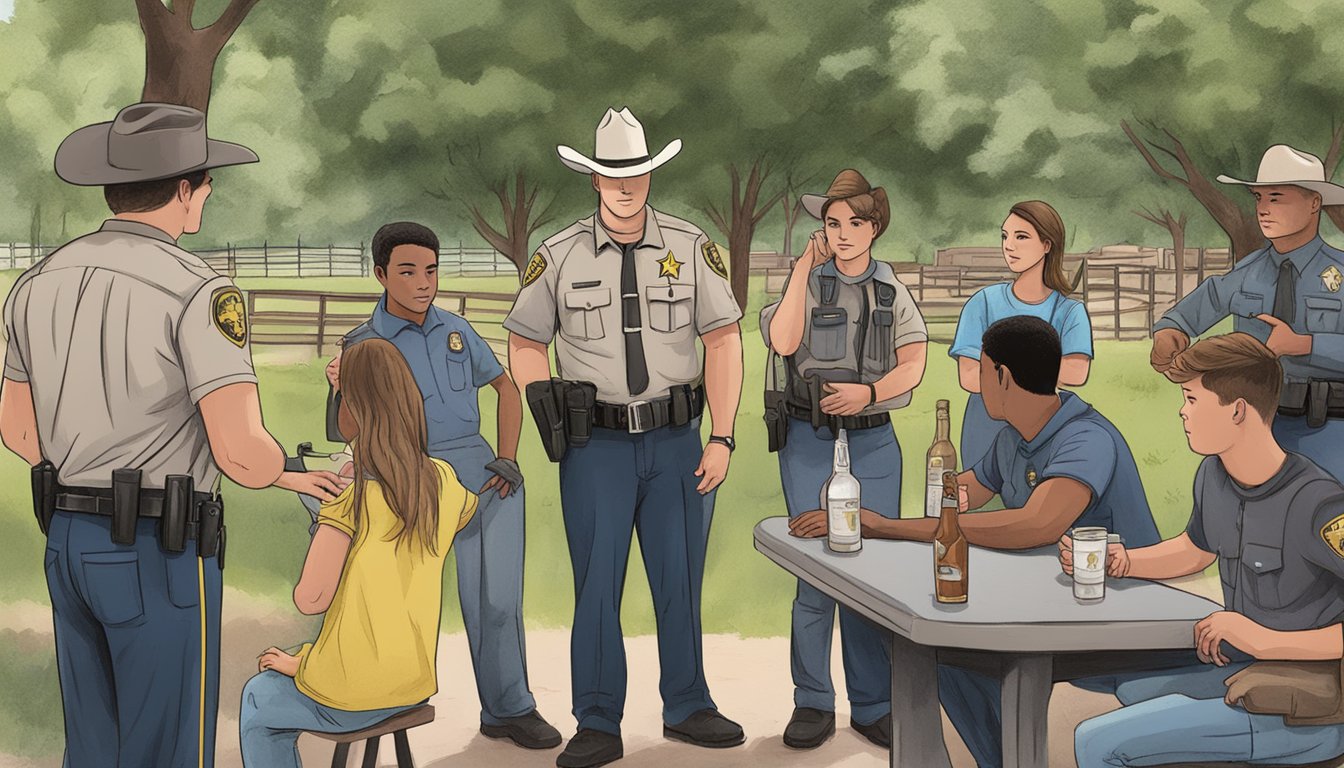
1283,165
620,150
146,142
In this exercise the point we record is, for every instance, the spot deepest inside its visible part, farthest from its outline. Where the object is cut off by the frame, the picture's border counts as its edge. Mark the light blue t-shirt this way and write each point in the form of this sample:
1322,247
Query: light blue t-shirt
996,302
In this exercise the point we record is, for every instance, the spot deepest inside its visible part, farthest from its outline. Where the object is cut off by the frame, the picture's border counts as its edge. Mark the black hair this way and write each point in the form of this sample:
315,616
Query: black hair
389,236
142,196
1029,348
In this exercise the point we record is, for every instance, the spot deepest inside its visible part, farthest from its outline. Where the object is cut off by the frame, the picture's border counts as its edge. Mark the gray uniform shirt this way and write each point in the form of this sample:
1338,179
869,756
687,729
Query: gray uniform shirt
1274,553
120,333
831,339
571,294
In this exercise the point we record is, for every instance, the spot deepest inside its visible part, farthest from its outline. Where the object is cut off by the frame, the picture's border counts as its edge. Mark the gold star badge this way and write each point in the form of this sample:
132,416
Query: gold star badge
670,267
1331,278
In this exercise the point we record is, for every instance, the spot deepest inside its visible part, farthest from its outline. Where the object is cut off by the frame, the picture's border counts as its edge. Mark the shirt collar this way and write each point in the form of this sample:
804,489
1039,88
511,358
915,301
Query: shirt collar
136,228
653,235
1300,256
1071,407
388,325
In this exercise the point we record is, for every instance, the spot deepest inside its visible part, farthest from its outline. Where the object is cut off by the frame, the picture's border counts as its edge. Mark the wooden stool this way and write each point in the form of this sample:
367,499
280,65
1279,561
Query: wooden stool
397,725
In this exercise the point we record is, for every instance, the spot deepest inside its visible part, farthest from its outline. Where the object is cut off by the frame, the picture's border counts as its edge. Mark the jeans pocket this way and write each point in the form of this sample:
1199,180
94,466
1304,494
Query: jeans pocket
112,583
184,579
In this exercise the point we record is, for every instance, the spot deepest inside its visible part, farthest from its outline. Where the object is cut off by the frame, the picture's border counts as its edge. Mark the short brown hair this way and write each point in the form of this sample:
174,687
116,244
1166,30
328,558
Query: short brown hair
868,202
142,196
1235,365
1049,227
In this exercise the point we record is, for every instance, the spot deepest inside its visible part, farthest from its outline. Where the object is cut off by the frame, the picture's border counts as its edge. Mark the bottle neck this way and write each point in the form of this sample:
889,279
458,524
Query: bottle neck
944,430
841,456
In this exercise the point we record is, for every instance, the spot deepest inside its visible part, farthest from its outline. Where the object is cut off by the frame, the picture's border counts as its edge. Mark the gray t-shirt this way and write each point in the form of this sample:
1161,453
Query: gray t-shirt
1278,544
119,334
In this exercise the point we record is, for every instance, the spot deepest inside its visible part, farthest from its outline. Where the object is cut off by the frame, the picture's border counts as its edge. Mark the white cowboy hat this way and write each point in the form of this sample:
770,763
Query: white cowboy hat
1283,165
620,149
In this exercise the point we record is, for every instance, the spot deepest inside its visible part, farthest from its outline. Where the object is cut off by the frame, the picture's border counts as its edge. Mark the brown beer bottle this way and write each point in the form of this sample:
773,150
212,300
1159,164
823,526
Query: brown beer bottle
942,457
950,550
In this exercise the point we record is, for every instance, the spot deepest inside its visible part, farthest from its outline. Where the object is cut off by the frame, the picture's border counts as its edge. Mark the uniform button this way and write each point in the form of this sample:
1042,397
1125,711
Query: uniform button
589,305
1257,565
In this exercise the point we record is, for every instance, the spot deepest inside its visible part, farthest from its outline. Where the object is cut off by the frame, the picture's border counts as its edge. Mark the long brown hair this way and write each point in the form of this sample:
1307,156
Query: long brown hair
1050,228
392,445
868,202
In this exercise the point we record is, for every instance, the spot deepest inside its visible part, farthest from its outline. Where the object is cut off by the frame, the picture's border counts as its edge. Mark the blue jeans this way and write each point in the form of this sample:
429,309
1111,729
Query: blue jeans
275,711
645,483
489,556
1321,445
1180,717
128,622
804,465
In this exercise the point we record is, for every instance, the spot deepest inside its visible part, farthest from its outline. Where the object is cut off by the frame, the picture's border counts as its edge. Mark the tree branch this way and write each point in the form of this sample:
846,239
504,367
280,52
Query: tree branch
229,21
184,9
1147,214
1148,156
764,209
483,228
1332,155
716,216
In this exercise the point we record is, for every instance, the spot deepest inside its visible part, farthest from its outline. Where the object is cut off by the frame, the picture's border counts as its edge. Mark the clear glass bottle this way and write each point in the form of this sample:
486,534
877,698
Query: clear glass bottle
841,498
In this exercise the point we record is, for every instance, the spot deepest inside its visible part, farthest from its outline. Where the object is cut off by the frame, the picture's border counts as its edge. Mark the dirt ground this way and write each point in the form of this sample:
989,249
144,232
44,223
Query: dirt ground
749,678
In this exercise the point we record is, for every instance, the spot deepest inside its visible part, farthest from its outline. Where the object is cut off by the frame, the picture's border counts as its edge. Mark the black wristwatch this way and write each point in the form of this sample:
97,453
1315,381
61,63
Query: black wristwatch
728,441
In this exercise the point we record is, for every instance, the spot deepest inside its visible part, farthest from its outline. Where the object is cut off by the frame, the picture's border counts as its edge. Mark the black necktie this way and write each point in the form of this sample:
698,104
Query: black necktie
1285,293
636,370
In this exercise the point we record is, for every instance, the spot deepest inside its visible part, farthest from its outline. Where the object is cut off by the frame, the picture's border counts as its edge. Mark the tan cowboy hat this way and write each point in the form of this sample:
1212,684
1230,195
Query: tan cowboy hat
145,142
1283,165
620,149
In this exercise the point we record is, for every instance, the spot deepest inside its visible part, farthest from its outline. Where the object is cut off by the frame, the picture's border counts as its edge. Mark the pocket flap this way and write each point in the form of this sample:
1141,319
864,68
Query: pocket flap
588,298
823,318
1262,559
1247,304
1323,302
670,293
882,317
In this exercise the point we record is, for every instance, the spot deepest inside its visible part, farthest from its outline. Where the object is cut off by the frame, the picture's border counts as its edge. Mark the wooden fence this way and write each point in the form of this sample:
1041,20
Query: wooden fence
318,320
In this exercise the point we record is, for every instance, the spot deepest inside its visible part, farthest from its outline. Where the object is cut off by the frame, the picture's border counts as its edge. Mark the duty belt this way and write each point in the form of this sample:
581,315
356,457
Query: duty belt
861,421
98,501
645,415
1316,399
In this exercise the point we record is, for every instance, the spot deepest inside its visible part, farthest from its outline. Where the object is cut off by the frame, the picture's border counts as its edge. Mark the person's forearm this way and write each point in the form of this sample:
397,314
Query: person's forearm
907,374
723,377
788,324
528,361
1002,529
1073,370
258,463
1168,559
509,421
1324,644
968,374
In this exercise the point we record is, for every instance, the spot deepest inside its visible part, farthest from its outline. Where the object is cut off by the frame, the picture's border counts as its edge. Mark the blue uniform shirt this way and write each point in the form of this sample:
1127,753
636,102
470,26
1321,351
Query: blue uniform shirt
449,361
995,302
1248,290
1081,444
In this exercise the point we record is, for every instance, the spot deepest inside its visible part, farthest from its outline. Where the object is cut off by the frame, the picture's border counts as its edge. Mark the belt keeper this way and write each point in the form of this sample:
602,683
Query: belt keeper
125,504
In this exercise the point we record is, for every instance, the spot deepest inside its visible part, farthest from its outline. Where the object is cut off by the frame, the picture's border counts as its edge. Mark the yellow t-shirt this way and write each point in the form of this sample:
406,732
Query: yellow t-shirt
379,638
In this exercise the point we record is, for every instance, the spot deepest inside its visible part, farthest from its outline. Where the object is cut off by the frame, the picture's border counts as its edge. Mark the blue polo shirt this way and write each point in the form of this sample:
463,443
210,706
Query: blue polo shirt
450,363
1081,444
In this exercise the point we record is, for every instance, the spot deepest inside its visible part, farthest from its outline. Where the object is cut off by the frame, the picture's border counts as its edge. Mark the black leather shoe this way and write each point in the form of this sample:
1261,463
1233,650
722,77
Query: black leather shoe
530,731
879,732
809,728
706,728
589,749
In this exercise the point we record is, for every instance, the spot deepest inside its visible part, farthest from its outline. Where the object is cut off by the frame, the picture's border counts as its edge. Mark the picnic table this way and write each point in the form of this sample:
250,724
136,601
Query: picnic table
1020,624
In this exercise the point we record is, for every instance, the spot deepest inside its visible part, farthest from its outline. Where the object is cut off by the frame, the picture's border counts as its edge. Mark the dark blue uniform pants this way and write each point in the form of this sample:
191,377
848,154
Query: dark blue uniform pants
617,483
130,650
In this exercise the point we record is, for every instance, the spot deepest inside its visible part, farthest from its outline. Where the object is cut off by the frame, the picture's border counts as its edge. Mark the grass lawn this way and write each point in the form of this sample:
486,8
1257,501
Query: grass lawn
744,593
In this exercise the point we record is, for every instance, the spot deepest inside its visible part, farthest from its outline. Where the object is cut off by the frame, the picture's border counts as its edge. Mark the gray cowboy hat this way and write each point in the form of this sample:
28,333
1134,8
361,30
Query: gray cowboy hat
1284,166
621,150
146,142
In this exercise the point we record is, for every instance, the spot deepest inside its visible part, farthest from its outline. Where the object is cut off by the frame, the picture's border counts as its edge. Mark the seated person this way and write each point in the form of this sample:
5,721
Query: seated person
375,567
1274,521
1057,464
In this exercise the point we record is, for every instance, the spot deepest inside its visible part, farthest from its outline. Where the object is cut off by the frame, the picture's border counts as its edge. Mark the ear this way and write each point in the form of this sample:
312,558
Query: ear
1048,245
1240,410
183,191
380,274
1315,202
594,180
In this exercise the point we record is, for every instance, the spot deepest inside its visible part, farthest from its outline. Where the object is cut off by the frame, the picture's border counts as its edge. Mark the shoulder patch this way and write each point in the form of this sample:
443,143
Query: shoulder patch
1333,535
535,266
229,314
714,259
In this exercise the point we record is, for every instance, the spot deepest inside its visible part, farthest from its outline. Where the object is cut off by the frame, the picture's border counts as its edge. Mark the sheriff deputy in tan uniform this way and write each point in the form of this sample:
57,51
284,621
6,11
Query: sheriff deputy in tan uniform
625,294
128,386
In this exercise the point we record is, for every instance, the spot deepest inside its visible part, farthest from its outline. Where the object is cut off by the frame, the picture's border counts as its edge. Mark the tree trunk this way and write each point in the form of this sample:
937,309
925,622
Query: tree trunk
516,208
180,59
740,224
1178,242
791,214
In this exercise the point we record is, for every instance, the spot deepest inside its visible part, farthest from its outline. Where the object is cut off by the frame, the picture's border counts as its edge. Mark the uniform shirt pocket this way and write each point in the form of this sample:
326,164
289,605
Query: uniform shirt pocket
581,317
670,306
1322,314
112,584
826,333
879,341
457,372
1247,304
1263,566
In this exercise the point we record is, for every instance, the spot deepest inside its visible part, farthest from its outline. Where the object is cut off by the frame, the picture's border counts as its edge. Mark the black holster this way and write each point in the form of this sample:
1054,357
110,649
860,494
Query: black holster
679,404
125,505
776,421
544,399
1316,399
44,494
333,415
210,529
580,397
178,499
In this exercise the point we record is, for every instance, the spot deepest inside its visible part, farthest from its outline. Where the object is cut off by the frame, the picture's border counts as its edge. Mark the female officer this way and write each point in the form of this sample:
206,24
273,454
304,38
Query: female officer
1033,248
854,347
